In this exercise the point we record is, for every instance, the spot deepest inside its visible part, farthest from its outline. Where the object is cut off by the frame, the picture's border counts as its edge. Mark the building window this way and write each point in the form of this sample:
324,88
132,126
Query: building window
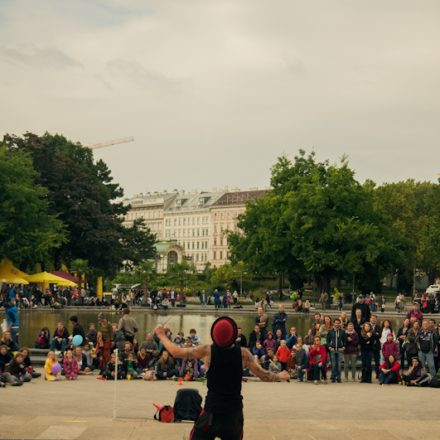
198,245
215,255
221,255
215,242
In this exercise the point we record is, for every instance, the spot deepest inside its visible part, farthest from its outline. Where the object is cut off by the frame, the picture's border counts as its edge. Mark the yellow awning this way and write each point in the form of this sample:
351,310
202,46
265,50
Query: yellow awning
49,278
10,274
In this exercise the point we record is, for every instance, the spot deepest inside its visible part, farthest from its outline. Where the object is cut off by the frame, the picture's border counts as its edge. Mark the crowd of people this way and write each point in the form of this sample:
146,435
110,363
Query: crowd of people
354,346
336,347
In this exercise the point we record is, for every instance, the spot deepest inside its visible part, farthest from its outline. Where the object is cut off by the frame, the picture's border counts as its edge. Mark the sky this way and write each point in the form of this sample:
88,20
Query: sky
213,91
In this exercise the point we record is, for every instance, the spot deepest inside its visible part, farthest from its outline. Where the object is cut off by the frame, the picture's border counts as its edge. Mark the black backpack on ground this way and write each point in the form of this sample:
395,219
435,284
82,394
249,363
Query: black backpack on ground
188,405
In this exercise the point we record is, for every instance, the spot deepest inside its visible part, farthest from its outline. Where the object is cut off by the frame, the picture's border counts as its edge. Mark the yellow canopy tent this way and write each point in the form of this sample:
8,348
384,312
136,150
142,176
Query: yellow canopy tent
49,278
10,274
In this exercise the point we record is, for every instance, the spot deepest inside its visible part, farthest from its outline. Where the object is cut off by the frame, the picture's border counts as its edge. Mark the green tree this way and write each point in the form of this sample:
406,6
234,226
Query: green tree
28,232
181,274
317,222
83,194
229,276
138,244
412,210
81,268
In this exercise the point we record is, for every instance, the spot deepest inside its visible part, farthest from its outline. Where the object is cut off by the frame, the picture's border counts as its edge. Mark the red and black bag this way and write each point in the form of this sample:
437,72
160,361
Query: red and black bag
164,413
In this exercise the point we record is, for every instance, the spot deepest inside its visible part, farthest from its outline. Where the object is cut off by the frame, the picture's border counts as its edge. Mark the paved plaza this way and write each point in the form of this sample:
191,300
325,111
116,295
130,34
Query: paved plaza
278,411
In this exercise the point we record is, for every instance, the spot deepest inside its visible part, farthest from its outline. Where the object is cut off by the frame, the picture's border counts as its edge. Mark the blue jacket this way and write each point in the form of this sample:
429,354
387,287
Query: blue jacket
12,316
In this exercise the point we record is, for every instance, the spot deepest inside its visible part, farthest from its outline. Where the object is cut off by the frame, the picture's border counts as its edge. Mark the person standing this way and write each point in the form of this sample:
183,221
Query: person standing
223,413
279,321
323,299
366,340
128,326
261,320
351,351
12,320
77,328
377,334
336,342
426,344
365,310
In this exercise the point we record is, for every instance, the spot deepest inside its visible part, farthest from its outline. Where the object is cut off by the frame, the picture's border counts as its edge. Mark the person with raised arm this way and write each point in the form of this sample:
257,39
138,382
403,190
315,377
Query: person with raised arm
222,416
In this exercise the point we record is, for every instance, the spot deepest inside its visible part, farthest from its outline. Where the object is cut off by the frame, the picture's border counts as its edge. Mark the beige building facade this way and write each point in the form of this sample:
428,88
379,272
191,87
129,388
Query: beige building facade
224,218
191,226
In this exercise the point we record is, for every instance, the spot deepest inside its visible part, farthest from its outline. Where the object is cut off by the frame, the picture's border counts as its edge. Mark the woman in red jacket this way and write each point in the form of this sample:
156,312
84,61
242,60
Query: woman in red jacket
389,371
318,360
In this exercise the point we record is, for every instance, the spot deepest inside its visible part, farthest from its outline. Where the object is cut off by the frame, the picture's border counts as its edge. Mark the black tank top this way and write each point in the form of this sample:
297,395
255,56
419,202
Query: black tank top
224,380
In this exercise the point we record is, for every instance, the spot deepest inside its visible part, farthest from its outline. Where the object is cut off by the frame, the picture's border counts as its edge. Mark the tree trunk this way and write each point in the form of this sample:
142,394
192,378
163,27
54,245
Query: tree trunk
280,285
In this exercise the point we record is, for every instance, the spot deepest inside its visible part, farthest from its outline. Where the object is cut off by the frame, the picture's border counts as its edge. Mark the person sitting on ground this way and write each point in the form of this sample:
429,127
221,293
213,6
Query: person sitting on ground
143,361
269,342
51,360
43,339
7,340
151,347
92,334
28,363
81,359
70,365
189,370
275,365
283,354
60,338
110,371
390,347
130,367
241,338
90,355
416,375
5,359
318,361
270,353
17,369
258,351
128,349
165,368
389,371
193,336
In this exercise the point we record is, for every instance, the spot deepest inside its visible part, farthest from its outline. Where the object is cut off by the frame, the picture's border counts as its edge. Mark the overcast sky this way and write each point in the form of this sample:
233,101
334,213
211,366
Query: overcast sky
214,91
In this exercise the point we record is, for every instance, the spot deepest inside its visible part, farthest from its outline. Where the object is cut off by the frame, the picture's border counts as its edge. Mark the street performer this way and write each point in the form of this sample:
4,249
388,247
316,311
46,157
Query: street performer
224,361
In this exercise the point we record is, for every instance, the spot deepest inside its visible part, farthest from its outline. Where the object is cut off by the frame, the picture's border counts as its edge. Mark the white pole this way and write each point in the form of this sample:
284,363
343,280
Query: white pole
115,381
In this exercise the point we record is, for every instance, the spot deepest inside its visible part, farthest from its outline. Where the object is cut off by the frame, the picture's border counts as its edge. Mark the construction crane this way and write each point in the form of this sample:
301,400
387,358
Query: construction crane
110,143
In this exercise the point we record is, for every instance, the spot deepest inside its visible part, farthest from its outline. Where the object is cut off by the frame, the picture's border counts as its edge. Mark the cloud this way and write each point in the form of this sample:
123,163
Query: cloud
213,91
49,57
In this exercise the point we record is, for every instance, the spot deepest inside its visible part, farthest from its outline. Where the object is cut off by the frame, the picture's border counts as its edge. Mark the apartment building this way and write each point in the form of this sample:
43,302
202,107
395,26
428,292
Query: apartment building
224,217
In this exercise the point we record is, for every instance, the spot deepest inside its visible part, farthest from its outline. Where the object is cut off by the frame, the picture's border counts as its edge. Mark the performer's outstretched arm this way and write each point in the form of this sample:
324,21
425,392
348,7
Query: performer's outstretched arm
256,369
199,352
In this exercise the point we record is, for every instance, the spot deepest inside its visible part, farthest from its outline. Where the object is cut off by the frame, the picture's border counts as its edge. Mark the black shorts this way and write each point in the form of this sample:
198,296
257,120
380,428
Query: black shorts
224,426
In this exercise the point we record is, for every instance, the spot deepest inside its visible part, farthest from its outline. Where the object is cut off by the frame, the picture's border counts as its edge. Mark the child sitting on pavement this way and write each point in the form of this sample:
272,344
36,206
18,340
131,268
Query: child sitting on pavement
70,365
51,360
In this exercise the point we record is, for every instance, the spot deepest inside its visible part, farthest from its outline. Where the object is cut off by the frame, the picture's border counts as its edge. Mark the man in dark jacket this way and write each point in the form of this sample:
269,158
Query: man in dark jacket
255,337
241,338
426,342
336,341
360,304
77,328
279,321
377,333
